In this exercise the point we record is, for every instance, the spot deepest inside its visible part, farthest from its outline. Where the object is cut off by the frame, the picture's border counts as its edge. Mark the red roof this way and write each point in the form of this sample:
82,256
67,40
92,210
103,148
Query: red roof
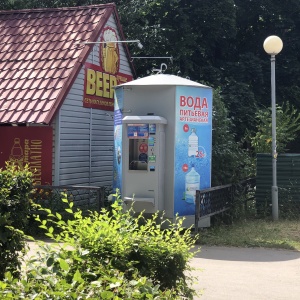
40,58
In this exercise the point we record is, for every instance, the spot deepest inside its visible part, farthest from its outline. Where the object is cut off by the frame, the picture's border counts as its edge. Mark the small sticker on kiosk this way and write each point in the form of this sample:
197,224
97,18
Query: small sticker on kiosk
152,128
152,158
151,141
152,168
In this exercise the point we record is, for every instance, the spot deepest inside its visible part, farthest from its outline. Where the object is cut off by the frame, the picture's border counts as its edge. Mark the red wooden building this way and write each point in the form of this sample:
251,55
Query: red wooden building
58,68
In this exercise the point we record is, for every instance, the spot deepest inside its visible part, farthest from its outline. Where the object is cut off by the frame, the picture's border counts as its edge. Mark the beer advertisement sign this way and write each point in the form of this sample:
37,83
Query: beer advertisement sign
100,80
30,146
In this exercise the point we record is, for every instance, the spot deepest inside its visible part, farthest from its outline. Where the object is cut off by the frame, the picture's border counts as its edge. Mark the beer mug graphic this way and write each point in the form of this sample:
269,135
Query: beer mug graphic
109,51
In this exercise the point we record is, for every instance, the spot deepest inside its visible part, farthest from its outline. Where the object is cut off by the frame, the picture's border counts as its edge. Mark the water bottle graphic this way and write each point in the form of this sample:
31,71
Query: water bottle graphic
192,184
16,153
119,155
193,143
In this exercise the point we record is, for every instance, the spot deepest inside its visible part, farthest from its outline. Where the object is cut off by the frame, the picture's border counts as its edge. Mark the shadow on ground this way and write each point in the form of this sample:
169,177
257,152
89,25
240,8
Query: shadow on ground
246,254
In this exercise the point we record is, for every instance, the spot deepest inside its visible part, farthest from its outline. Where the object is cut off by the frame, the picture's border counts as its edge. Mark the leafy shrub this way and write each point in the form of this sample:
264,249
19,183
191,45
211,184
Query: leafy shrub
51,197
48,197
16,184
287,129
230,162
49,283
107,255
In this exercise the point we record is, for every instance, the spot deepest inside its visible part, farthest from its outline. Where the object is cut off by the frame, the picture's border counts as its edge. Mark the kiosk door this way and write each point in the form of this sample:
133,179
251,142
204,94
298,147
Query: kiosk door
143,163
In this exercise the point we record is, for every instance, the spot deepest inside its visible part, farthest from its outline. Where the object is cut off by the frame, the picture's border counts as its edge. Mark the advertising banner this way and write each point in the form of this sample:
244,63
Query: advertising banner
100,80
28,145
193,142
117,174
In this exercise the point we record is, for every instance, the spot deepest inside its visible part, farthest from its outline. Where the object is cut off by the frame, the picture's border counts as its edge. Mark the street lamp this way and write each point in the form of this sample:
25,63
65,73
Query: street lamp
273,45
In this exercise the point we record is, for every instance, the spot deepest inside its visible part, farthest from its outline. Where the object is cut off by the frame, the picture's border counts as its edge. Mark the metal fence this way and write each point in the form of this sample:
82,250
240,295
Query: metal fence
83,197
288,202
218,199
288,182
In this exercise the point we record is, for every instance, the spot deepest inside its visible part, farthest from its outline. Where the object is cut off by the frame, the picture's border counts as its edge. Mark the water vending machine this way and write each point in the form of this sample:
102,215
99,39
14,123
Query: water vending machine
163,143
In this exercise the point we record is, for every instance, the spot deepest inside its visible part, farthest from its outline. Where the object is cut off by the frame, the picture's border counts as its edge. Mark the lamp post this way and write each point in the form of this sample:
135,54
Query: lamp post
273,45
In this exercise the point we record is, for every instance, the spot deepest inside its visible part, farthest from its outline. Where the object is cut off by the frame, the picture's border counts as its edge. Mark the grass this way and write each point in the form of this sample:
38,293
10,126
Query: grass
283,234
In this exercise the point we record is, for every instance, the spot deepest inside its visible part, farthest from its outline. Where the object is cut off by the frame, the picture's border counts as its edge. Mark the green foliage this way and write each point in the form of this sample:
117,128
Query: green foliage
287,128
240,102
221,44
230,163
48,282
47,198
15,186
107,255
51,197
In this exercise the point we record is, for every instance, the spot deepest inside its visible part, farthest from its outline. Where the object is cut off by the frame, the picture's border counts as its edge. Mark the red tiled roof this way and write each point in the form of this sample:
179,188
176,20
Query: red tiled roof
40,58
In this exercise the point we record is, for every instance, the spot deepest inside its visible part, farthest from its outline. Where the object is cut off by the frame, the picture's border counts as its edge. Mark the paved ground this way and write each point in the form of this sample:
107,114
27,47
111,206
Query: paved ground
248,274
245,274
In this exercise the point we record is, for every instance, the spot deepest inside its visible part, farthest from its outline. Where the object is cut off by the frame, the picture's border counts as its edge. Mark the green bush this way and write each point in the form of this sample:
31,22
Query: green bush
45,197
107,255
51,198
15,186
287,129
230,162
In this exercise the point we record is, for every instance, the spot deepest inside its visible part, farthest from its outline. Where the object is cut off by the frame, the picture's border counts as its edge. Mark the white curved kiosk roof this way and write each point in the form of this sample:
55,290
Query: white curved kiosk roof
163,80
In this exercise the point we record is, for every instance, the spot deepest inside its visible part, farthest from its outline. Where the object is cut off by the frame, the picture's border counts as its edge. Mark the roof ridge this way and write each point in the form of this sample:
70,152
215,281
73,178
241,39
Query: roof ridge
36,10
40,58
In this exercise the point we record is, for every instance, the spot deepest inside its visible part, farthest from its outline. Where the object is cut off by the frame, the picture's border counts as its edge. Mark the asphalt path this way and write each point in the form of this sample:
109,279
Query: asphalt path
247,274
225,273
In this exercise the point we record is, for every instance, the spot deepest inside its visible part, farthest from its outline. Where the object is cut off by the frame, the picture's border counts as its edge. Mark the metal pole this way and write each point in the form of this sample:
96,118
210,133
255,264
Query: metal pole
197,212
274,151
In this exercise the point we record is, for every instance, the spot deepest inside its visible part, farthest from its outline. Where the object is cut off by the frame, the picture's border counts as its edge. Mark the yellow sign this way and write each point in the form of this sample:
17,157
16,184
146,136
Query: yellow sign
99,81
109,51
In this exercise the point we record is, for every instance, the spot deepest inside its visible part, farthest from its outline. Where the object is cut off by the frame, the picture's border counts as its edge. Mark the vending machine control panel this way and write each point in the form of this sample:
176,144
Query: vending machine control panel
143,152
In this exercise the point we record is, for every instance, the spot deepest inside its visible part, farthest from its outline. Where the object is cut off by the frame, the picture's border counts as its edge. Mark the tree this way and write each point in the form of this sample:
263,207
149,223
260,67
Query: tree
287,128
220,43
230,163
256,20
29,4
